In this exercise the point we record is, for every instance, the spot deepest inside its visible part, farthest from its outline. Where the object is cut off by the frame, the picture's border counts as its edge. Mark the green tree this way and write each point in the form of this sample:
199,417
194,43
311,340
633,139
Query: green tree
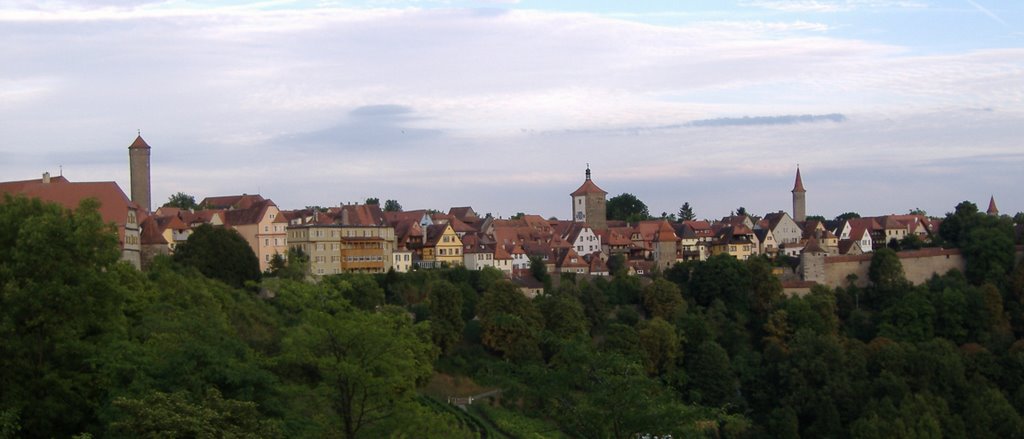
712,381
182,200
374,201
446,322
989,250
361,290
294,267
847,215
957,224
392,206
741,211
161,414
720,277
659,345
510,322
563,315
627,207
686,212
886,271
363,366
61,294
219,253
662,298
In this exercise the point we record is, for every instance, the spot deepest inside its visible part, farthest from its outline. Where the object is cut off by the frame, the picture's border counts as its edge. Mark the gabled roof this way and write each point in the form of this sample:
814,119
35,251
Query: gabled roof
366,215
434,233
114,204
243,201
464,213
665,233
247,216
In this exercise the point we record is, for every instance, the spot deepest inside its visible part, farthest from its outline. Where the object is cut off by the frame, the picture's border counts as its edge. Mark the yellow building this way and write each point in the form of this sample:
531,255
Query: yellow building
351,238
441,247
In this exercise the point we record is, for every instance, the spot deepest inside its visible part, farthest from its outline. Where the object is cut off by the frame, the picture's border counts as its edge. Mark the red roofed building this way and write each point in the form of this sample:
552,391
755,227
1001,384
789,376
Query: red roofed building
115,207
588,204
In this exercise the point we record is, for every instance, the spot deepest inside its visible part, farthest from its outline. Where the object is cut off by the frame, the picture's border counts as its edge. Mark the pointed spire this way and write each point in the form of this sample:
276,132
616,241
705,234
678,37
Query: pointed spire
139,143
588,171
992,209
799,185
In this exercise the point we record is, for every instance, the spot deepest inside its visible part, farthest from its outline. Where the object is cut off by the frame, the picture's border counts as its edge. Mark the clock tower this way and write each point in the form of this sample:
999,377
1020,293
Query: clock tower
588,204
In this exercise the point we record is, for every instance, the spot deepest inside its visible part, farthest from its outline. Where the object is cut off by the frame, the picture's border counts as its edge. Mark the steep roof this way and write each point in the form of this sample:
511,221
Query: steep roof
151,233
798,186
992,209
813,247
139,144
588,187
251,215
367,215
665,233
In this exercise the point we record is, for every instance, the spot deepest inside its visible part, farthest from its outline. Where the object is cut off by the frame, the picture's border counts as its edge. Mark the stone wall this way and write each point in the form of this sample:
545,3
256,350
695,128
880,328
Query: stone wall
918,265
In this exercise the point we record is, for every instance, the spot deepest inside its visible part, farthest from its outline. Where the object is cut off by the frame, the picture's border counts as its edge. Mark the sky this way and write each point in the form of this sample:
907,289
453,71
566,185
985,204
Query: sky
885,106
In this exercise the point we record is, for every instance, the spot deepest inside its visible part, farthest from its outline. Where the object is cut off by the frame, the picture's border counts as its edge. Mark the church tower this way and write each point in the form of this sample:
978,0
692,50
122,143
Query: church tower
138,162
992,209
588,204
799,199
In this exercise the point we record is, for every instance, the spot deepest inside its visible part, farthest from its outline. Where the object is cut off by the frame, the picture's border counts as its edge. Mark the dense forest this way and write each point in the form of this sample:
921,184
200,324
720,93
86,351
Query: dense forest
201,346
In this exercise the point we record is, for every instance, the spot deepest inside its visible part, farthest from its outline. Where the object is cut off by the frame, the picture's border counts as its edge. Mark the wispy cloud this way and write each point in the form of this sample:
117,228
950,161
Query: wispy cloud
988,13
831,5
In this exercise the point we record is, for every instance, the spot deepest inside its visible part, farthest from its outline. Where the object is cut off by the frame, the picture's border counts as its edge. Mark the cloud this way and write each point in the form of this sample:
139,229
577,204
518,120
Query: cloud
370,127
828,6
768,120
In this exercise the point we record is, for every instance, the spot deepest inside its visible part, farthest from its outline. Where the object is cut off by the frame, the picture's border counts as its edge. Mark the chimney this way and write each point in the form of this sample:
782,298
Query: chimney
46,178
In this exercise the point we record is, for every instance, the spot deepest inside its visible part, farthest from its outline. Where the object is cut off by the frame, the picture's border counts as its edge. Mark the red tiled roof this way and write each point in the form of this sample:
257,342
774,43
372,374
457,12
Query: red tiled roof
139,144
151,233
243,201
798,186
588,187
114,204
992,209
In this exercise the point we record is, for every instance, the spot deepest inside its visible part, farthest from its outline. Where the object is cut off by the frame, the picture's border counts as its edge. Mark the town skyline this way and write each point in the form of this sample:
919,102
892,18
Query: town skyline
501,107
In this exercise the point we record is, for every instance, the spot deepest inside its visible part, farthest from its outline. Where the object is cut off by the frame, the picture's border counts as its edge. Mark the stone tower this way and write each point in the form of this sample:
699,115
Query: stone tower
138,162
799,199
992,209
588,204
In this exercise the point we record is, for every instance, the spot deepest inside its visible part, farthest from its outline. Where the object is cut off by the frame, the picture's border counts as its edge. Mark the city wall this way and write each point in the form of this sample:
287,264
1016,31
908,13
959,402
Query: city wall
918,265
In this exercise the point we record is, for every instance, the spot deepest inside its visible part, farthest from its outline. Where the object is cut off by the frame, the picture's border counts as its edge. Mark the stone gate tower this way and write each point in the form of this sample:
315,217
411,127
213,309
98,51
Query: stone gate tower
138,162
799,199
588,204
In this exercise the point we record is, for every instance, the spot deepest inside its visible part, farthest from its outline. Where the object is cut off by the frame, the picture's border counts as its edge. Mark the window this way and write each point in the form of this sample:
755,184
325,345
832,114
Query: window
266,228
266,241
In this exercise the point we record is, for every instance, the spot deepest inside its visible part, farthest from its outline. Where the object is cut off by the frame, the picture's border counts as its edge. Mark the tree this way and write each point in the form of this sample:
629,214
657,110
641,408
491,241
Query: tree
61,294
955,227
627,207
918,211
847,215
392,206
295,267
160,414
741,211
363,367
686,212
712,381
816,218
219,253
989,250
662,299
446,322
886,271
659,345
510,322
374,201
182,200
563,315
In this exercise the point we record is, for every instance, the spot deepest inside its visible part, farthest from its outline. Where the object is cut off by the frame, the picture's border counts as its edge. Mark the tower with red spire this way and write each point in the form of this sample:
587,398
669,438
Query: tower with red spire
138,163
799,199
992,209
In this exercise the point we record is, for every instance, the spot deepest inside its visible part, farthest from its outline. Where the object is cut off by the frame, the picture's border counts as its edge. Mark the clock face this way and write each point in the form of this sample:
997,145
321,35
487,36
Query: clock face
579,215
